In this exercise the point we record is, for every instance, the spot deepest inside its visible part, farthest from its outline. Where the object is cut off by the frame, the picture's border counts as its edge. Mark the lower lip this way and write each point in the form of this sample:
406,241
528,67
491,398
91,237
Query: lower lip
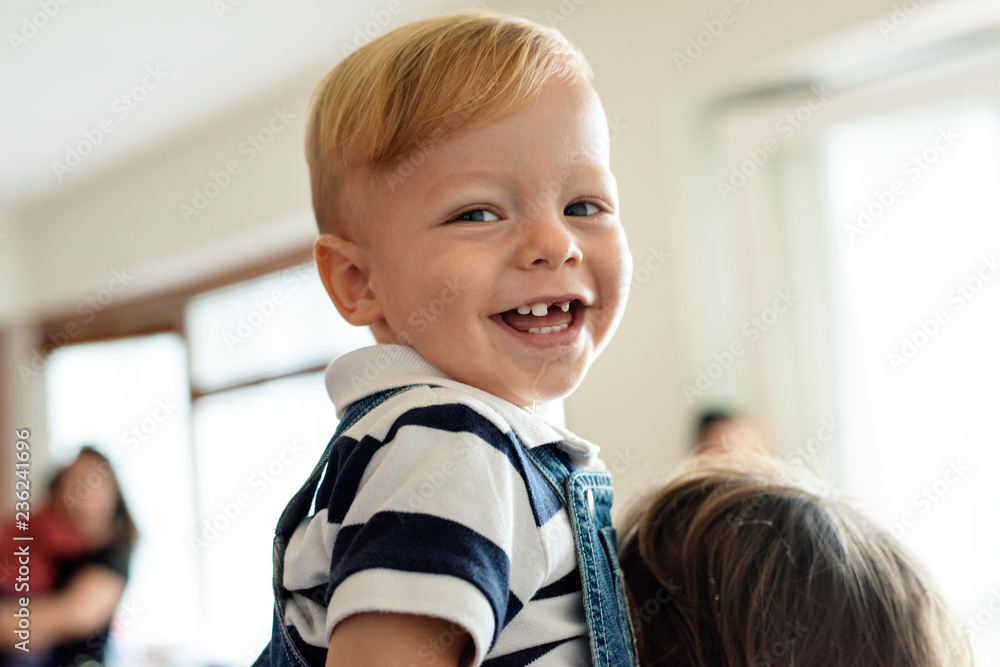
564,338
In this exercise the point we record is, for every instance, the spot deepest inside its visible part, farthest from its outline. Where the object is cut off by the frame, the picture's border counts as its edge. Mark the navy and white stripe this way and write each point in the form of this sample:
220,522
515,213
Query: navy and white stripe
430,506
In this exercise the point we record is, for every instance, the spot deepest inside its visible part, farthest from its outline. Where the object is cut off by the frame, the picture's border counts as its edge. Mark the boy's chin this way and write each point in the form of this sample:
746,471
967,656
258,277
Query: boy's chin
541,393
524,386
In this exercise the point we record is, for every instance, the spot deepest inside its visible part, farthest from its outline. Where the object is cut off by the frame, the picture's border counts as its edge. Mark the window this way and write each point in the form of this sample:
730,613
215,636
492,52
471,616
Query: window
880,212
130,398
916,199
212,427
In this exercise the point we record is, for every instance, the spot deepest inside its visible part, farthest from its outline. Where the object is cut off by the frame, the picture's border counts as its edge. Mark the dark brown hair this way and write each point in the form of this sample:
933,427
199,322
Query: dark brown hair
731,565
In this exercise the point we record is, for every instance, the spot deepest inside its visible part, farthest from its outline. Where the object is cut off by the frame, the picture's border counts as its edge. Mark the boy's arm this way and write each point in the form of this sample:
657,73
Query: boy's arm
397,640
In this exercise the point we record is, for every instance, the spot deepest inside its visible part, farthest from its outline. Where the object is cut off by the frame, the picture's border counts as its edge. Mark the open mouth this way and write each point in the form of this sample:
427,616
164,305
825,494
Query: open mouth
543,318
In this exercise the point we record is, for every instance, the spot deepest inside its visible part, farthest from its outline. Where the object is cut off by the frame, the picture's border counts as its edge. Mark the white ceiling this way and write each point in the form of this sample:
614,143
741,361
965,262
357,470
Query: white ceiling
216,55
64,80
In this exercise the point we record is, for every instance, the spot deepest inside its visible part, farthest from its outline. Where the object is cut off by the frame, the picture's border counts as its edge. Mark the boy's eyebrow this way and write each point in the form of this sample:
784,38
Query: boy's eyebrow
472,176
577,167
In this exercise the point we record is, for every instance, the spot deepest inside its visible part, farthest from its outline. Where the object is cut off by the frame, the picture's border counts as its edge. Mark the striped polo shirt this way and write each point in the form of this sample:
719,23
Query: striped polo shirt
430,506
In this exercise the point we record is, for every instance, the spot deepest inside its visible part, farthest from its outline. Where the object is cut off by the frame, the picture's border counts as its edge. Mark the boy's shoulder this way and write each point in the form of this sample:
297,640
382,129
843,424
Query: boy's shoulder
429,396
474,416
437,405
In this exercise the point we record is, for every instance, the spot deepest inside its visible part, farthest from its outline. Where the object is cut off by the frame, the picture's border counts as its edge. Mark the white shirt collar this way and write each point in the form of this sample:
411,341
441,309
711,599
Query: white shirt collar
362,372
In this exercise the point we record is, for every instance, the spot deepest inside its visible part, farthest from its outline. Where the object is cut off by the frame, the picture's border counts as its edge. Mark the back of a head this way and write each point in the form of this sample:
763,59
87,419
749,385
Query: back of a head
421,84
727,568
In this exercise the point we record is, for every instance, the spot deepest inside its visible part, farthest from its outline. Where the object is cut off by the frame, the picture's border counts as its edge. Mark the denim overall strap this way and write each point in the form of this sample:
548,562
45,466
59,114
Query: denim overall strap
587,496
281,651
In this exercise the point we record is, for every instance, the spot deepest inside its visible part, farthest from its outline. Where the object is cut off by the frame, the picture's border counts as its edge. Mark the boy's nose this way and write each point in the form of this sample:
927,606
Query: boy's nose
550,242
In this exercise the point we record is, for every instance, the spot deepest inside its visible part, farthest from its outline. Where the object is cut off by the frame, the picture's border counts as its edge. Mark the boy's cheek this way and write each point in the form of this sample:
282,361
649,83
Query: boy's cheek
627,261
623,273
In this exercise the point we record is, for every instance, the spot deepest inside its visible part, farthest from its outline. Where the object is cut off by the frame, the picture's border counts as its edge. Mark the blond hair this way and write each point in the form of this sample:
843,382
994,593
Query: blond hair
727,567
420,84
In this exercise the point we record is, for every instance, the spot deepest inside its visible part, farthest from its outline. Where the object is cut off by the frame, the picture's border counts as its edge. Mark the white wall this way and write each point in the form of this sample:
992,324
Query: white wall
131,218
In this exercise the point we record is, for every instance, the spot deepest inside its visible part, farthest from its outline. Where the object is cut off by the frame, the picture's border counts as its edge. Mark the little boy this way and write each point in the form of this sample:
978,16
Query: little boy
468,216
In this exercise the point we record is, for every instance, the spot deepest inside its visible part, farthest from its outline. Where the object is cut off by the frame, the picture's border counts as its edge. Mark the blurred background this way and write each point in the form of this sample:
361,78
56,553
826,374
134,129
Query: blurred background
811,192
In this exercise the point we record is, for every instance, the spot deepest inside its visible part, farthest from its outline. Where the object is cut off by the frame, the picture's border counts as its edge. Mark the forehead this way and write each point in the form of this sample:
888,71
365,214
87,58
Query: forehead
564,122
563,127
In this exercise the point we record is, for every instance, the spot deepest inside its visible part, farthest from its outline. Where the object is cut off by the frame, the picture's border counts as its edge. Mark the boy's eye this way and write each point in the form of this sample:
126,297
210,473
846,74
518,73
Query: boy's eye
581,208
477,215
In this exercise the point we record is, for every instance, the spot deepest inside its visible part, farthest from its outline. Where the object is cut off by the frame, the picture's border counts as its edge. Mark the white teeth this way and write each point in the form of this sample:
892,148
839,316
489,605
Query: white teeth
546,330
542,309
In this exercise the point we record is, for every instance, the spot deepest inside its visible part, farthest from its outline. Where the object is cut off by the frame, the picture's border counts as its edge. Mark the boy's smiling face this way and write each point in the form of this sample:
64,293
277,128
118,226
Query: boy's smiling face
500,258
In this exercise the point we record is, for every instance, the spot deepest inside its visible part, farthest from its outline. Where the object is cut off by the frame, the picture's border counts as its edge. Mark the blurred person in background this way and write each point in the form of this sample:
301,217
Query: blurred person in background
84,547
719,431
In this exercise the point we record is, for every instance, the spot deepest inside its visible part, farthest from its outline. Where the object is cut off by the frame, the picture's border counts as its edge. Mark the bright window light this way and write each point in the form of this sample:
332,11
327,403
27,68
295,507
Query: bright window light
254,447
130,399
265,327
916,206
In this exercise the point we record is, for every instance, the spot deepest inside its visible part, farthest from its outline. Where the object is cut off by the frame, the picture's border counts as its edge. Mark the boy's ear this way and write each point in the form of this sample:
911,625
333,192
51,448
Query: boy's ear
344,271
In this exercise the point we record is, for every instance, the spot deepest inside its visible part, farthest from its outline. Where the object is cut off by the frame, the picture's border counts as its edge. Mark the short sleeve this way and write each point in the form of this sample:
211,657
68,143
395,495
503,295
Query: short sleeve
428,514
